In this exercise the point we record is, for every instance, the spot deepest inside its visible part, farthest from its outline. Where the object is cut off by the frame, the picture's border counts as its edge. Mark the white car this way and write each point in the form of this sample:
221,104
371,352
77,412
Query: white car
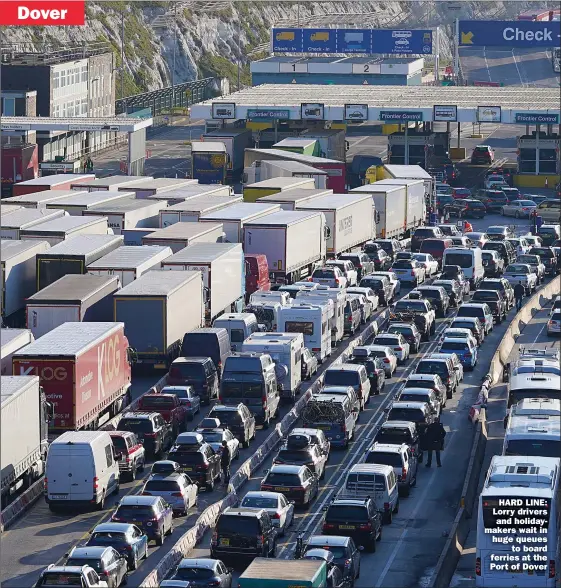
409,270
520,245
494,182
533,240
459,333
428,262
329,276
397,343
84,576
279,508
554,324
519,208
370,295
442,188
366,309
385,353
391,277
521,272
348,269
556,305
535,263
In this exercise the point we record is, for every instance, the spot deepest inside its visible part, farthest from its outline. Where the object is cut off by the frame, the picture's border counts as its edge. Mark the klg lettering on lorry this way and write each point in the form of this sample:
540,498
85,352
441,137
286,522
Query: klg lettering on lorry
108,364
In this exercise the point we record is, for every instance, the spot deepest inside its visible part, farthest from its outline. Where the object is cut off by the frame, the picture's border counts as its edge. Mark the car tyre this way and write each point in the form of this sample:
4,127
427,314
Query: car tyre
406,490
371,546
388,517
210,485
134,565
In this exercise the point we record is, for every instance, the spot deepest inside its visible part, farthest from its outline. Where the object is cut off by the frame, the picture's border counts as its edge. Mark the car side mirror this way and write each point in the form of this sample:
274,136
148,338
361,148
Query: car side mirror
231,570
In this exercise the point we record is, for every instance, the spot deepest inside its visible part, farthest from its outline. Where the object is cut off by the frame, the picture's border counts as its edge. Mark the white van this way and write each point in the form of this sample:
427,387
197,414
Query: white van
240,325
266,313
285,350
369,479
339,298
82,469
268,296
312,322
470,260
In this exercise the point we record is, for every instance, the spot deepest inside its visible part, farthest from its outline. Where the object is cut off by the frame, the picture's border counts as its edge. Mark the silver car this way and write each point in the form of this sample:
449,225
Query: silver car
279,508
176,489
521,272
519,208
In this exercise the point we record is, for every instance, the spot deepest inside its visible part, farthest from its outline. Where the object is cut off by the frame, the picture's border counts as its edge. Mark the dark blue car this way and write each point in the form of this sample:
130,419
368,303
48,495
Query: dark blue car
127,539
152,514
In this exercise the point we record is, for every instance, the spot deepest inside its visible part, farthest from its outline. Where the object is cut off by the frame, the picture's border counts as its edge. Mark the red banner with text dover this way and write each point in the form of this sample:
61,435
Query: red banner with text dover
42,13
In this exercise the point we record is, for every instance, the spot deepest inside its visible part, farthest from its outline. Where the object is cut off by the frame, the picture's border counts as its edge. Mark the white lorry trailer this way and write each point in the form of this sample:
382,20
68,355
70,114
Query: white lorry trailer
148,186
40,199
24,416
293,242
310,320
109,183
192,209
233,218
349,219
14,223
181,235
415,211
290,199
223,269
390,204
12,340
75,204
130,262
411,172
59,229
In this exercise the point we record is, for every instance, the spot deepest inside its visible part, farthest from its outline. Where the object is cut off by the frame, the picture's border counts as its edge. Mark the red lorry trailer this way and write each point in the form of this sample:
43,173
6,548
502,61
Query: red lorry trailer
84,371
19,163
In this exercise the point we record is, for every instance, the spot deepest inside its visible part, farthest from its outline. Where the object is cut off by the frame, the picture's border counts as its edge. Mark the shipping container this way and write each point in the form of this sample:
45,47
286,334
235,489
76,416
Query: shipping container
253,192
130,262
19,164
170,304
108,183
12,340
209,162
148,186
84,370
59,229
349,219
390,203
282,573
134,236
54,182
73,256
77,203
289,169
14,223
73,298
192,191
129,213
180,235
300,145
236,142
223,269
290,199
18,273
292,241
234,217
191,210
41,199
416,208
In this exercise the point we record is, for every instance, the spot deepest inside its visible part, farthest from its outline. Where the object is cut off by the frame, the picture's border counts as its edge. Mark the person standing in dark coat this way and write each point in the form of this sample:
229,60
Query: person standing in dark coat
225,459
519,292
434,441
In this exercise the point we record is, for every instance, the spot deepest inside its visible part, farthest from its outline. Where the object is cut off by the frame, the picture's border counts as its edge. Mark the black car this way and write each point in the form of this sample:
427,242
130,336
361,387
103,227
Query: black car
200,463
375,370
457,208
444,201
474,208
364,265
398,432
437,296
390,246
296,482
381,260
238,419
503,248
126,538
150,428
198,372
358,518
410,332
451,174
494,299
494,200
243,534
346,556
453,289
503,286
422,233
381,286
548,258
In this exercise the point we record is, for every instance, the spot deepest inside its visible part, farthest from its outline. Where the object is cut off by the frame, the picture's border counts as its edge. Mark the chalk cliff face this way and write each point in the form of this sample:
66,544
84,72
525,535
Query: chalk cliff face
211,36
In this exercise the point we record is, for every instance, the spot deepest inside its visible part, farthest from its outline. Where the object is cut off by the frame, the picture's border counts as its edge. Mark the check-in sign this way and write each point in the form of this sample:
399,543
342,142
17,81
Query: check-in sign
400,116
42,13
445,113
536,118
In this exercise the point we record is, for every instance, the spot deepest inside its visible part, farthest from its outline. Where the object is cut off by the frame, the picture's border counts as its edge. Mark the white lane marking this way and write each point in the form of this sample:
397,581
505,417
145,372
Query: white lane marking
487,64
517,68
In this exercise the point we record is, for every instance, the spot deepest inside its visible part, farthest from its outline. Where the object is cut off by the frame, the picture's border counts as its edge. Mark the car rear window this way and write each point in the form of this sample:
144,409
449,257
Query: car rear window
373,283
107,538
428,246
280,479
542,252
187,457
61,579
485,296
136,425
406,414
259,502
453,346
482,149
156,402
238,524
402,330
346,513
323,273
385,341
294,455
469,311
419,384
402,264
84,561
410,397
161,486
226,417
391,459
187,371
194,574
464,260
341,378
424,233
433,367
393,436
137,511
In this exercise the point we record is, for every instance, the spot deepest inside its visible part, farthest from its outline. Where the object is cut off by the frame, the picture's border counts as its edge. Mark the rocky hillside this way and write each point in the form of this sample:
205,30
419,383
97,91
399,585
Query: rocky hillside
213,35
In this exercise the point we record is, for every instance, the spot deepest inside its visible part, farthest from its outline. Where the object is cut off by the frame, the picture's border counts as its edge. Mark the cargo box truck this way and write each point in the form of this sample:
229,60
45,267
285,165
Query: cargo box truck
170,304
180,235
415,191
75,204
191,210
85,372
73,298
73,256
54,182
233,218
411,172
14,223
390,204
12,340
130,262
128,213
209,162
19,277
252,192
24,417
293,242
41,199
109,183
290,199
282,573
223,270
59,229
236,142
349,219
149,186
193,191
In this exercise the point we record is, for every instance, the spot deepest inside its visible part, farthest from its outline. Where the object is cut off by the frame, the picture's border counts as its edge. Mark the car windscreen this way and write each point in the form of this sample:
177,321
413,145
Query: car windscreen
346,513
485,296
469,311
282,479
161,486
429,245
296,455
463,325
194,574
259,502
237,525
341,378
535,447
410,305
324,273
136,425
542,252
498,246
136,511
406,414
383,458
187,371
186,458
464,260
433,367
402,264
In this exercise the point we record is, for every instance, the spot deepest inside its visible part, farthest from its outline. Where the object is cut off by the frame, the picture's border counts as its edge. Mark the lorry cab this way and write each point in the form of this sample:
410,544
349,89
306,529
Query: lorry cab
250,378
82,469
239,325
256,273
313,322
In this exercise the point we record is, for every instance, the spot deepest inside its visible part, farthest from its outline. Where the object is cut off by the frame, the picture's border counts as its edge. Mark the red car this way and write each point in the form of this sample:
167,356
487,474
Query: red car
461,193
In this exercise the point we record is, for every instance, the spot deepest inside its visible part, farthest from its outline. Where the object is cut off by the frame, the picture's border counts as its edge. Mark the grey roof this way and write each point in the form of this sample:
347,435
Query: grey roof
27,217
126,204
41,197
202,252
295,142
157,283
91,198
296,166
82,244
376,189
295,194
183,230
12,248
70,338
408,171
280,182
158,183
208,146
65,224
284,217
8,335
241,210
113,181
333,201
12,384
75,288
290,156
203,202
129,256
56,179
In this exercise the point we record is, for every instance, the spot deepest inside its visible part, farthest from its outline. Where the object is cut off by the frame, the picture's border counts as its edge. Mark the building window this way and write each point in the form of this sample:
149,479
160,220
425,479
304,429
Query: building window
56,80
64,111
8,107
84,106
84,73
63,78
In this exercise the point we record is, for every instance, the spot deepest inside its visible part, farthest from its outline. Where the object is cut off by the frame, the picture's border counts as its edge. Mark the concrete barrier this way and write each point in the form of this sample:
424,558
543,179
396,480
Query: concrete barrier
13,511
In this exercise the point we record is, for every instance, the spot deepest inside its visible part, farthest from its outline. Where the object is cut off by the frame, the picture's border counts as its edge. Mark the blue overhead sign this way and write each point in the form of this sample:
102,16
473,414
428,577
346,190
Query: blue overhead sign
516,33
357,41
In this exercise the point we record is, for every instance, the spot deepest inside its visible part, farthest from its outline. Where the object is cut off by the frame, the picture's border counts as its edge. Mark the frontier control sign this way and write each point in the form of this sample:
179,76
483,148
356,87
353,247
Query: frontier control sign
400,116
535,118
517,33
